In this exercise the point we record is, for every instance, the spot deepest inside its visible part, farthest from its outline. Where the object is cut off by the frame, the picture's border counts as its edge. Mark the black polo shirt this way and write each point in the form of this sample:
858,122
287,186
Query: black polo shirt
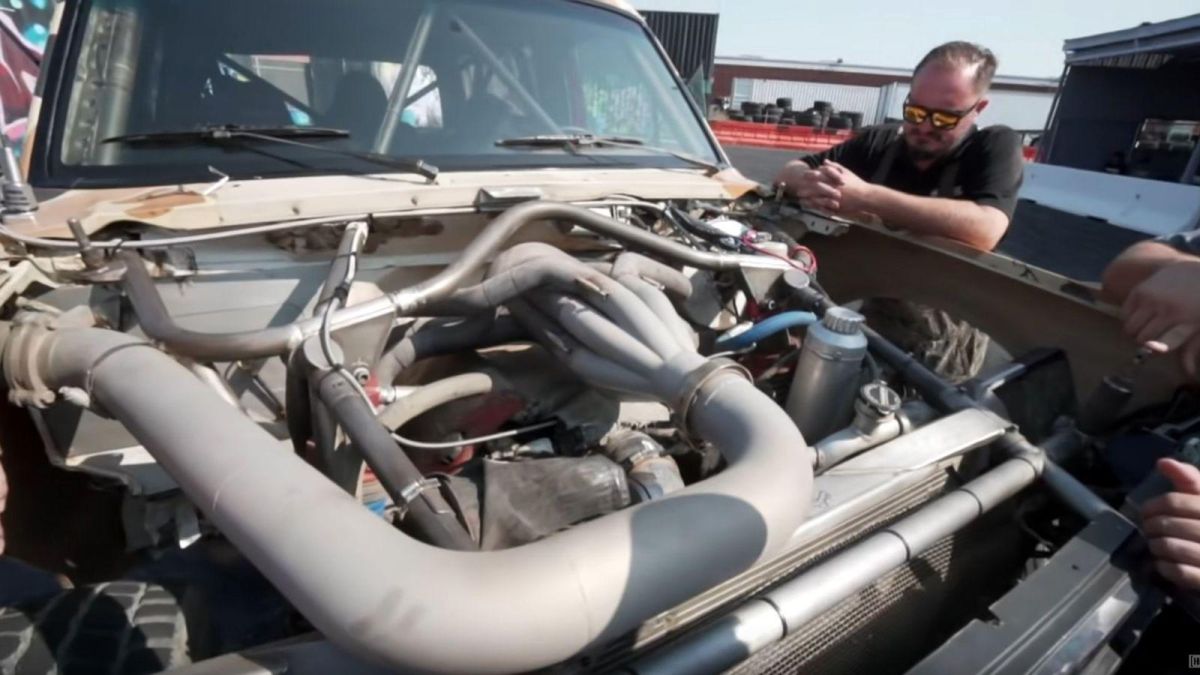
986,167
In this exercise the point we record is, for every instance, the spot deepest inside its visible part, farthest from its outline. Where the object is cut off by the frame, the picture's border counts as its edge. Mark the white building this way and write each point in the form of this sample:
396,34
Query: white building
1022,103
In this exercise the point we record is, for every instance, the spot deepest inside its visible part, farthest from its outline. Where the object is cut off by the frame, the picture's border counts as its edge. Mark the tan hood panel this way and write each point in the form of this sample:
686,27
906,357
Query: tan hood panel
187,208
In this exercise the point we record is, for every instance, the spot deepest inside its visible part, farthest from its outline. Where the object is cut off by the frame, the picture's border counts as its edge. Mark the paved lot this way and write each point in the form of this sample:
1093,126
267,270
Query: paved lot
1061,242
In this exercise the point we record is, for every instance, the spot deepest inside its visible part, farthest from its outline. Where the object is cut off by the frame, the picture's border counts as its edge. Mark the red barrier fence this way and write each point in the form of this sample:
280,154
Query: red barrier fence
808,139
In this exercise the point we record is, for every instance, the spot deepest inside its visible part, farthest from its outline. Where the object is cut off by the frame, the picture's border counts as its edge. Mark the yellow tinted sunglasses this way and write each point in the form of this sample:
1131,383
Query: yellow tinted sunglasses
938,119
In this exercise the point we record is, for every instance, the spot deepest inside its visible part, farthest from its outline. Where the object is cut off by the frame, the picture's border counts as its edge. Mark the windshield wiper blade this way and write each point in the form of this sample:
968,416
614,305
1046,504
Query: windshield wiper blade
220,132
284,135
575,142
564,140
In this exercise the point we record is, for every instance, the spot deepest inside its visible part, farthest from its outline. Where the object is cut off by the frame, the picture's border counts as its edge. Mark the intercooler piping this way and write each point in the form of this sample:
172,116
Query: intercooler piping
391,599
157,323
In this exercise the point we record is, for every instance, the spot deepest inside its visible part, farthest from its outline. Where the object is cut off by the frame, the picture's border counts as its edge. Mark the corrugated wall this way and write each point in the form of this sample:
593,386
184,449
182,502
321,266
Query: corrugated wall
844,97
690,39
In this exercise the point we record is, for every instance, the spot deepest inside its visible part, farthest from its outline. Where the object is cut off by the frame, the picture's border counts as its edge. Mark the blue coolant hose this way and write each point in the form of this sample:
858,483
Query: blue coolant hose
764,329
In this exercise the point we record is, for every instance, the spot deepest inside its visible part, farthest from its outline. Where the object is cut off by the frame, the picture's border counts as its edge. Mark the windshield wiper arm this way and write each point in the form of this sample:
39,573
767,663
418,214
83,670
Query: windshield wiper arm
223,131
575,142
284,135
564,140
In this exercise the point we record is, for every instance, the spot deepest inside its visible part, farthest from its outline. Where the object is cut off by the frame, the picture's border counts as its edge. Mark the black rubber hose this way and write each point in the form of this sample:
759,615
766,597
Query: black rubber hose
432,519
936,391
296,404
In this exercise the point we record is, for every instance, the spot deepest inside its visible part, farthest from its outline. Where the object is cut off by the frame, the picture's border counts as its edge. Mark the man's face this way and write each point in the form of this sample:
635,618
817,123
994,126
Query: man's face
945,88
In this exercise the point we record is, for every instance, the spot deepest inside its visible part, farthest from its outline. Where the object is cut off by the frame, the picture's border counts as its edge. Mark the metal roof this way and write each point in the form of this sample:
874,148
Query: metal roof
1178,37
899,73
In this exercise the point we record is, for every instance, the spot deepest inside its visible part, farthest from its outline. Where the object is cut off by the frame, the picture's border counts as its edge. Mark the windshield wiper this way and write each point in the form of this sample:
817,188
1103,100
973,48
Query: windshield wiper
575,142
284,135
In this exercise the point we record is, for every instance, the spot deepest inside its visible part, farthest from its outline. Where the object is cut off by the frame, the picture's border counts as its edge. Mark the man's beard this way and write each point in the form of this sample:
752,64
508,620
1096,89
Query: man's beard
922,154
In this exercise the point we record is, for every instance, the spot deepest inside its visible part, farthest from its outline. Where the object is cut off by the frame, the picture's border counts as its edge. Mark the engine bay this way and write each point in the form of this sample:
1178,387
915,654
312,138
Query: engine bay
558,403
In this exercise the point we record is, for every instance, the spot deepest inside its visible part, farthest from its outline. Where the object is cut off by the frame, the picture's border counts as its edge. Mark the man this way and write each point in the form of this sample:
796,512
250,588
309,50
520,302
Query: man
936,173
1157,285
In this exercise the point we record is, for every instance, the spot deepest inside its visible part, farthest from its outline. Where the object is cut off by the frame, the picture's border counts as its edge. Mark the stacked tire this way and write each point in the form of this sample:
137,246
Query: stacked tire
119,628
853,119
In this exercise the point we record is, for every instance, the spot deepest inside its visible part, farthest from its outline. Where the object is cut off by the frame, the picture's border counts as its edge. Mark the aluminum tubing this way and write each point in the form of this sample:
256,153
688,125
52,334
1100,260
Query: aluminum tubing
851,441
832,450
390,599
432,395
409,301
803,599
158,325
748,630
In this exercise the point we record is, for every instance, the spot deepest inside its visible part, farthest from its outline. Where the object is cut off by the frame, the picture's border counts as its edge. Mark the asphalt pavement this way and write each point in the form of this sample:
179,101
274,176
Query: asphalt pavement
1065,243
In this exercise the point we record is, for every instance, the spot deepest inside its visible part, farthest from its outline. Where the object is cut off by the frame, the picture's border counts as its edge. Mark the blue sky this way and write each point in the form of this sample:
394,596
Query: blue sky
1026,35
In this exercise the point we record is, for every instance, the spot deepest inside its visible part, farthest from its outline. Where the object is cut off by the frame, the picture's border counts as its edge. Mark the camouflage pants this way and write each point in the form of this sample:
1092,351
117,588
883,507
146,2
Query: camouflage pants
952,348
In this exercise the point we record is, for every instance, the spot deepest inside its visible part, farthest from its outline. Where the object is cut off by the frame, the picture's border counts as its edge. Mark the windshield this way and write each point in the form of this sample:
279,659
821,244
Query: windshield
442,82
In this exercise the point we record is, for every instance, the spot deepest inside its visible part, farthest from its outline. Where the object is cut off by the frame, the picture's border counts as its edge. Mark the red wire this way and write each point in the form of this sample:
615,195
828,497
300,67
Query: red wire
809,269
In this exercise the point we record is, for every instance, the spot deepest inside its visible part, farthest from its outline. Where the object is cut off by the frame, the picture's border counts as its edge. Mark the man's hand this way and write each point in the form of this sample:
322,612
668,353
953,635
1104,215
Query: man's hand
1171,524
856,193
809,186
1166,308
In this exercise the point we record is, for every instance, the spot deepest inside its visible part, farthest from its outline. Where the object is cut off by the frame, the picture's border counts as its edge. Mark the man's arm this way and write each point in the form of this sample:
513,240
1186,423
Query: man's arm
980,227
975,225
1156,283
1137,264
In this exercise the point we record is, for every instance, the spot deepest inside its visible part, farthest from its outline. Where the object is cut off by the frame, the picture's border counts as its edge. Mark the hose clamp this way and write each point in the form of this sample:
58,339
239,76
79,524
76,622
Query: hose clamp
697,379
412,492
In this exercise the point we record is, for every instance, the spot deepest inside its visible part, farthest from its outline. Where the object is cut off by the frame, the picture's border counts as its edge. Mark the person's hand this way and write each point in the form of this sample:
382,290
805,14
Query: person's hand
1165,303
1171,524
855,192
809,186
